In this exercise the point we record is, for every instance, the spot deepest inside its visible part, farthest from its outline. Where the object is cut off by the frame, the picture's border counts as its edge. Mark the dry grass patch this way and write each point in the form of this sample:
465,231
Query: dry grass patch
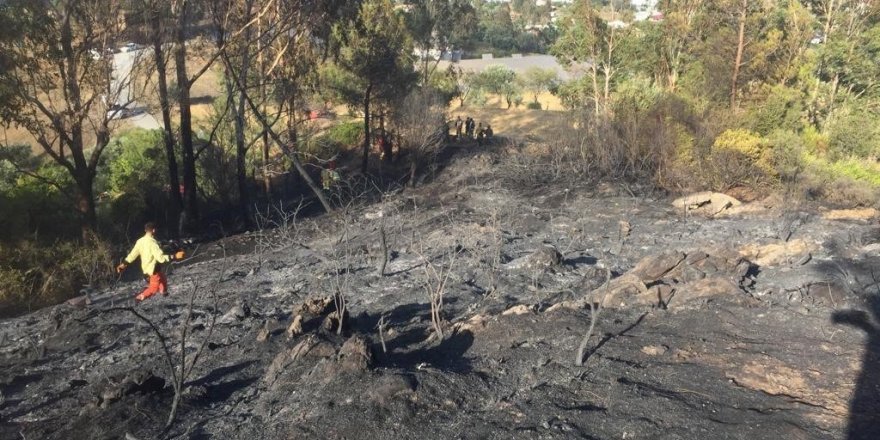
863,214
524,124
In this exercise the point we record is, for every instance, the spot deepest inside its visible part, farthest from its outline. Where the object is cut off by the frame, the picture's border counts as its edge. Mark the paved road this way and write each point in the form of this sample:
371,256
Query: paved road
518,65
123,63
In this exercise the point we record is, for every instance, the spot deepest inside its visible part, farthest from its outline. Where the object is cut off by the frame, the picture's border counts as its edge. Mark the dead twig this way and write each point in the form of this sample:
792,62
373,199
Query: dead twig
436,277
382,241
159,335
594,316
381,327
180,367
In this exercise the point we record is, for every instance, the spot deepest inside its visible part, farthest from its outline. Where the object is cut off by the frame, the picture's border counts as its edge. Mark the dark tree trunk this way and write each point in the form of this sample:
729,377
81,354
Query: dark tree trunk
412,172
267,180
262,68
80,170
85,203
190,193
386,140
292,132
366,156
168,131
740,46
244,203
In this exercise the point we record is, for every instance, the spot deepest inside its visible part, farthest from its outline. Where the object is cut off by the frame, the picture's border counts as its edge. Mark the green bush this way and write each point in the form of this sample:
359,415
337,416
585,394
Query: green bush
815,142
445,83
822,182
34,207
748,144
533,106
477,98
782,110
637,93
217,174
726,169
136,160
40,274
854,133
332,141
849,192
787,152
15,292
133,179
738,158
346,134
849,168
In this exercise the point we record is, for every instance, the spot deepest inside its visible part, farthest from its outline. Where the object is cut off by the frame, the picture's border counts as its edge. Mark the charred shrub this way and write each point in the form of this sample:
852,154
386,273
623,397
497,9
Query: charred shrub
638,141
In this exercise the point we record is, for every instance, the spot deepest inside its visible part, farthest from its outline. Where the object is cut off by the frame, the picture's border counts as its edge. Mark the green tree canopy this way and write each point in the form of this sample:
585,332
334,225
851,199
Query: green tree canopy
499,80
538,80
377,57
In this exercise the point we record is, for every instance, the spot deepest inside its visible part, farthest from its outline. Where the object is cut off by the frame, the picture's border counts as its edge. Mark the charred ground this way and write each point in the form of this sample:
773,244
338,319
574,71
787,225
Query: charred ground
754,321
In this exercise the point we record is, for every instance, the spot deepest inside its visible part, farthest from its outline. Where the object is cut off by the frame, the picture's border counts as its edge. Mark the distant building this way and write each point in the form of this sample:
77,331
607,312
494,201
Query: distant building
519,64
430,54
646,10
538,2
644,5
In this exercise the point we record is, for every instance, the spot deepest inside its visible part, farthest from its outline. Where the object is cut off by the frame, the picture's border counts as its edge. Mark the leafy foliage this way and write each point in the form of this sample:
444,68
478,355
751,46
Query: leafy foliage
538,80
854,133
36,274
749,145
500,81
762,97
135,162
375,60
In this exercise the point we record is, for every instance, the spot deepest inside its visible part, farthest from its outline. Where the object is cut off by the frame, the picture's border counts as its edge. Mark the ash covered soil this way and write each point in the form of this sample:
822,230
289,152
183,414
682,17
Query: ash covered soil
722,322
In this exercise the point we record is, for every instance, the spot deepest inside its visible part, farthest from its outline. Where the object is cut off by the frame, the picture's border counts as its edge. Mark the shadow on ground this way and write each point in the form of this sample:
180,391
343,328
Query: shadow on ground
864,410
411,347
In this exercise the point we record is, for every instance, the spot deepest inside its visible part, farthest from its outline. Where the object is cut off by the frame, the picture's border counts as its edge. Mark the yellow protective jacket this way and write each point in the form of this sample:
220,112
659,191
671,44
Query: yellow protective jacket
147,248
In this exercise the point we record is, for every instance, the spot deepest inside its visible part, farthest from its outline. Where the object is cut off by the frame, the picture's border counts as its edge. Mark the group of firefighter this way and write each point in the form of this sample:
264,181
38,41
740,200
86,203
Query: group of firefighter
472,130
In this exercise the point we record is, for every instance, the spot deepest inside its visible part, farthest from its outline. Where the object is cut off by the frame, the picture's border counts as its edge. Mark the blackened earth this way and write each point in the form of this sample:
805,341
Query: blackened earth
787,347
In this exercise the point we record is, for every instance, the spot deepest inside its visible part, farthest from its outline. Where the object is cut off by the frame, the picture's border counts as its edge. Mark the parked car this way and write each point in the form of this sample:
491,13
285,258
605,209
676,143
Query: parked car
129,47
118,111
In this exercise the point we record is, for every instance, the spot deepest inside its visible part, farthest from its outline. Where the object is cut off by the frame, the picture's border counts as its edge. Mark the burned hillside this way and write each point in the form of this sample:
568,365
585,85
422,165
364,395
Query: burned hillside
456,309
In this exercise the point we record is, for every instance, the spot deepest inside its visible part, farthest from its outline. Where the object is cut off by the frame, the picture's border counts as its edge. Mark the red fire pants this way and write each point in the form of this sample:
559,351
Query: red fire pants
157,284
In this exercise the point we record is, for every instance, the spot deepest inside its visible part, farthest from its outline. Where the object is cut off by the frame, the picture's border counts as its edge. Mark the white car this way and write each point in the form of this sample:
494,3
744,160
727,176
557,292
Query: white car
118,111
128,47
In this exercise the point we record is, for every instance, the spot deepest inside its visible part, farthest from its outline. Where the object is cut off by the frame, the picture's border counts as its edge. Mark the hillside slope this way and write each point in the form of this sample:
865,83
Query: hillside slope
749,324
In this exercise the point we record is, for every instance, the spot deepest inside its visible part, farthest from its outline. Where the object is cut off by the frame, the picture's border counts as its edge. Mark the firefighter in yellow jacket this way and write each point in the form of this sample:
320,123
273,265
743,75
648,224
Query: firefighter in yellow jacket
152,257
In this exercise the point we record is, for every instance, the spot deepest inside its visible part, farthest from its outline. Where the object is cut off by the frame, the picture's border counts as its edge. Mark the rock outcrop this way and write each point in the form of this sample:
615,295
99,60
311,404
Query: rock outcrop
706,203
675,279
543,258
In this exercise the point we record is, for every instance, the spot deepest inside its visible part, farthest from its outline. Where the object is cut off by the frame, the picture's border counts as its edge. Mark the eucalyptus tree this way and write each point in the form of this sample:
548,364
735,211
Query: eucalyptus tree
376,61
59,85
436,26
